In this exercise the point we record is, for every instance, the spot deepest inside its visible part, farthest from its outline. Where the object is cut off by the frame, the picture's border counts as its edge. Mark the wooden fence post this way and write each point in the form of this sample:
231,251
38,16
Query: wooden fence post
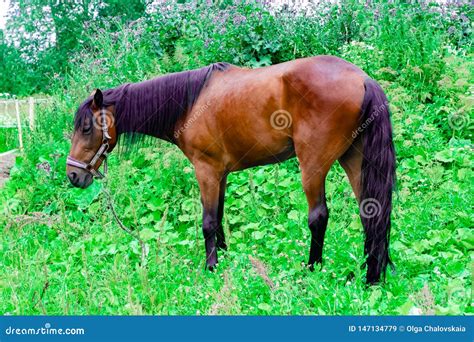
31,112
18,121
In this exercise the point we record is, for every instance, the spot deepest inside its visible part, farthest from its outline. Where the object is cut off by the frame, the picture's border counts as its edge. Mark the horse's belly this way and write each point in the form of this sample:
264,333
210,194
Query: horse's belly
244,153
265,159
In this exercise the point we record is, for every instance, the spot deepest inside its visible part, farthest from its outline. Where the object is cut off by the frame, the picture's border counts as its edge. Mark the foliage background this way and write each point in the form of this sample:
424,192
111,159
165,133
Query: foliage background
61,252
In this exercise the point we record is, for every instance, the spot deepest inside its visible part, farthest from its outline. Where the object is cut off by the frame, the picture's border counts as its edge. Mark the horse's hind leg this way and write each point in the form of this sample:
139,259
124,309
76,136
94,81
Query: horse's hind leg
317,221
220,213
313,173
351,162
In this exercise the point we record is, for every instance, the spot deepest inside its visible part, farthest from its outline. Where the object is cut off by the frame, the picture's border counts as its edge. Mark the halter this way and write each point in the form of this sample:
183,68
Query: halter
101,152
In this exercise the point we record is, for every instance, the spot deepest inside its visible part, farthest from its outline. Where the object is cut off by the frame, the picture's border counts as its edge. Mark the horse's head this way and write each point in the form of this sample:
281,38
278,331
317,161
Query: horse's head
94,137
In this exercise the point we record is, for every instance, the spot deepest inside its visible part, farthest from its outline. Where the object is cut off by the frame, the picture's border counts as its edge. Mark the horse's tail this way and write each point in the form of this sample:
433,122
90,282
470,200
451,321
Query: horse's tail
377,179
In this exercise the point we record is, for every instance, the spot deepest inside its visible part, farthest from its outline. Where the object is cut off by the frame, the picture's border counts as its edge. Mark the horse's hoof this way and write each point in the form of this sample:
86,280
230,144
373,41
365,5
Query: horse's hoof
317,262
211,268
350,276
222,247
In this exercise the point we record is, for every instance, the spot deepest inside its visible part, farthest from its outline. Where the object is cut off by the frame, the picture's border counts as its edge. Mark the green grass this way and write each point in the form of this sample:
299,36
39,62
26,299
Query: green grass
8,139
77,261
61,252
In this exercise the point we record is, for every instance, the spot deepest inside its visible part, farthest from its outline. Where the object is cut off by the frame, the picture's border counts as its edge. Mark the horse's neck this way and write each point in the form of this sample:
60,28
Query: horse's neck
144,112
153,107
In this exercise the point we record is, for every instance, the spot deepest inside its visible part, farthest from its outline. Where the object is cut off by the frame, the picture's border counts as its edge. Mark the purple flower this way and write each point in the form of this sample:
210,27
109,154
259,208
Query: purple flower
238,19
44,166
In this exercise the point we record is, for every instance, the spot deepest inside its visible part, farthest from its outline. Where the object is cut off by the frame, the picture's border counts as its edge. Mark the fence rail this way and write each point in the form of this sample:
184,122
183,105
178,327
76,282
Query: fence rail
10,116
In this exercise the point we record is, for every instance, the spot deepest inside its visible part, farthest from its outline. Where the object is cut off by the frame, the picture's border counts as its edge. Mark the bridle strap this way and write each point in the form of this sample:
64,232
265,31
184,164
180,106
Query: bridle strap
102,152
96,173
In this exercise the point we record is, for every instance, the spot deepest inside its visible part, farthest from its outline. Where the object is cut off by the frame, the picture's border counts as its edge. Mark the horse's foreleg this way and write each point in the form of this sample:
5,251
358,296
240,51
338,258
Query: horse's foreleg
209,180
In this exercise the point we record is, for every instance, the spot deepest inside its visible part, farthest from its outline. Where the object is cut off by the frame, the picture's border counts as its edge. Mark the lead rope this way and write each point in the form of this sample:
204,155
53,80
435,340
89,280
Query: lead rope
127,230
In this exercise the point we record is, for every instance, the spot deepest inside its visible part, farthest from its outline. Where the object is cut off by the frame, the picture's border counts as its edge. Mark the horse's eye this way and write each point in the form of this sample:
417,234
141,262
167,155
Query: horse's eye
87,128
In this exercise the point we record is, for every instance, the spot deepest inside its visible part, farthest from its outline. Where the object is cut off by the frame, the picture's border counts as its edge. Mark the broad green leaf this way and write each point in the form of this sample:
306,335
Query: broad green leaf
264,307
445,156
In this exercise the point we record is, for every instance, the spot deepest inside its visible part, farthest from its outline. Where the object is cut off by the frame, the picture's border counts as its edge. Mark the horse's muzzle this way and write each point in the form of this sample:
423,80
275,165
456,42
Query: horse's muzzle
80,178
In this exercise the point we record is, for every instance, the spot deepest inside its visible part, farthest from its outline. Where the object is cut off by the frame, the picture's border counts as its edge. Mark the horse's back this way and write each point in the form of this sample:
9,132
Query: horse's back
252,116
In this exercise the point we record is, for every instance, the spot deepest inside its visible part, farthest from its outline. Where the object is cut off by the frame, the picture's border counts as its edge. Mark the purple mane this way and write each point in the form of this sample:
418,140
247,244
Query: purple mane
153,107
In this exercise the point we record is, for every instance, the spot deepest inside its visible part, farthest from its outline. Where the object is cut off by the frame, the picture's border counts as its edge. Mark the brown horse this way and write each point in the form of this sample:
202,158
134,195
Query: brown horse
225,118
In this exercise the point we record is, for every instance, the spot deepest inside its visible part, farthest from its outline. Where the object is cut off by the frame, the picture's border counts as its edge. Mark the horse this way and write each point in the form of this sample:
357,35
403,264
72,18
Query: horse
226,118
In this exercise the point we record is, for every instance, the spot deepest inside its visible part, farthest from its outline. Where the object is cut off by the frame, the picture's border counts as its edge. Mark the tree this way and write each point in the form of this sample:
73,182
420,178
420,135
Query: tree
42,35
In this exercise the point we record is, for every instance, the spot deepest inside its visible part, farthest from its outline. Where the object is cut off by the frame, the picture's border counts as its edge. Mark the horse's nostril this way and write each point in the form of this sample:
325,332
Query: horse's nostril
72,176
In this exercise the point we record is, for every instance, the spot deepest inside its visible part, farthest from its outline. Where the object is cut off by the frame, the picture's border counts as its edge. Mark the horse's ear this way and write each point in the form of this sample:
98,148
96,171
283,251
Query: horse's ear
98,100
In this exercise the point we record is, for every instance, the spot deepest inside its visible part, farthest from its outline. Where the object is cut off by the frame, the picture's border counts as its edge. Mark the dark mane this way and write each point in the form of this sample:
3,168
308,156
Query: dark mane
153,107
